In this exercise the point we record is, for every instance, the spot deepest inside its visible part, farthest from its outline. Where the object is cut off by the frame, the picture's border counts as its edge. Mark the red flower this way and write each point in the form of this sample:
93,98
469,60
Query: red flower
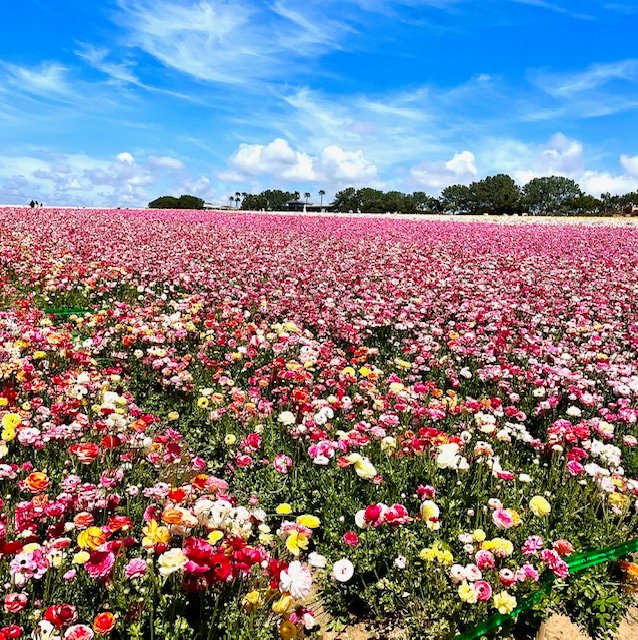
61,615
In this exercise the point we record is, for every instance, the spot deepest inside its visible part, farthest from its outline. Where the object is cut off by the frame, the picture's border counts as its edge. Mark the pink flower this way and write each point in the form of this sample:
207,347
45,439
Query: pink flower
282,463
100,565
136,568
502,519
483,590
351,538
527,572
507,577
79,632
15,602
532,545
485,560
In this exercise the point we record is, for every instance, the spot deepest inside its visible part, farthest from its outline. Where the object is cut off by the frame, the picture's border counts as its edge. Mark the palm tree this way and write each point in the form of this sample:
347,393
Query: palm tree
306,196
322,193
296,195
231,199
237,198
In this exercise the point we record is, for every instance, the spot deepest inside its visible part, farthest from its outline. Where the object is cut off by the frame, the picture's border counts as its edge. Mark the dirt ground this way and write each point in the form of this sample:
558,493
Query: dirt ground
556,628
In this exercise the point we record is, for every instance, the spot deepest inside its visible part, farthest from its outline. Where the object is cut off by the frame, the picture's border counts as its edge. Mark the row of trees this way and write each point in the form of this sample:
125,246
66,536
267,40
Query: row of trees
499,194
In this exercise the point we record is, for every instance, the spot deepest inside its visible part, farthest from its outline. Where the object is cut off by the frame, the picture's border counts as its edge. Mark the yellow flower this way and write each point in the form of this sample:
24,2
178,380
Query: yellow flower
252,600
230,439
312,522
500,546
296,541
287,630
479,535
3,402
38,355
284,604
619,500
215,536
362,466
81,557
504,602
445,557
396,387
173,415
539,506
283,509
202,403
154,533
516,519
428,554
467,593
430,515
348,371
365,371
9,423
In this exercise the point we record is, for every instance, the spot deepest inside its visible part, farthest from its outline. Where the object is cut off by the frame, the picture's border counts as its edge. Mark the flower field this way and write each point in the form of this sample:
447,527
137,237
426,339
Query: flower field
250,426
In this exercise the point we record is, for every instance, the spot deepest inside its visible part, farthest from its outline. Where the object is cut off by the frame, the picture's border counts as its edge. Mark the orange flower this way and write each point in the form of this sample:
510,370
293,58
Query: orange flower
92,537
104,623
200,481
172,516
83,520
36,482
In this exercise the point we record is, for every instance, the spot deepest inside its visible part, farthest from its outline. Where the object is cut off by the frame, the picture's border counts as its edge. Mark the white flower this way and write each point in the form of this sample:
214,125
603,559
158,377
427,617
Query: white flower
448,456
342,570
296,579
400,562
287,418
316,560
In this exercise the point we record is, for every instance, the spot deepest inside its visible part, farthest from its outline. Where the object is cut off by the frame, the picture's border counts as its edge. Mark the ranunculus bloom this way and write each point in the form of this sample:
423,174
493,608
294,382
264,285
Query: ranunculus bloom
351,538
342,570
79,632
15,602
539,506
483,590
104,623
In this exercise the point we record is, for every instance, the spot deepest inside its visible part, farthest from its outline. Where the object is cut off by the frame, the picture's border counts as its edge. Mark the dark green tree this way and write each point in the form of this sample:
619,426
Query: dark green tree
457,198
496,195
171,202
549,195
424,203
346,200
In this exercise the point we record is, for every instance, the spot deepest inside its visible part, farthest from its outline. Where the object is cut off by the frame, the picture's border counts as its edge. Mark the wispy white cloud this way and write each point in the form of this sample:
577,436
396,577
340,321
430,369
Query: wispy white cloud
231,43
569,85
49,79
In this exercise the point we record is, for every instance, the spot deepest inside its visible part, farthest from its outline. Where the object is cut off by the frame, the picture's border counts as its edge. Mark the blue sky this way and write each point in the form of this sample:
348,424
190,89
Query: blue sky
118,101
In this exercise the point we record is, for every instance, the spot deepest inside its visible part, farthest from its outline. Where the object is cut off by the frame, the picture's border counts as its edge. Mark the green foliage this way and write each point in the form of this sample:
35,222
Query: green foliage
171,202
270,200
550,195
496,195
